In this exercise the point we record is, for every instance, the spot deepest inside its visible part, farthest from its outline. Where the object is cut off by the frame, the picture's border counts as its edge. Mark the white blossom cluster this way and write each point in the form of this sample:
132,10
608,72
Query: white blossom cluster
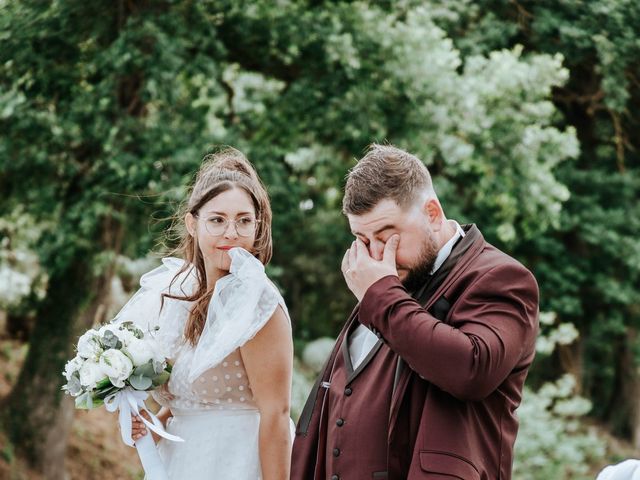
110,358
14,286
561,334
553,440
20,271
488,119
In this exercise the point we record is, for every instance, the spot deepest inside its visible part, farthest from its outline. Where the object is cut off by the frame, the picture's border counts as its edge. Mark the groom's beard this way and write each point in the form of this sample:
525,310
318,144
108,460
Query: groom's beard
418,273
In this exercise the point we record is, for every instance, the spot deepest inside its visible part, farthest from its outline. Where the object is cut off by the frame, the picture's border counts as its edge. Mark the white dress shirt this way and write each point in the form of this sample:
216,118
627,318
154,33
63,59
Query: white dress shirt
362,340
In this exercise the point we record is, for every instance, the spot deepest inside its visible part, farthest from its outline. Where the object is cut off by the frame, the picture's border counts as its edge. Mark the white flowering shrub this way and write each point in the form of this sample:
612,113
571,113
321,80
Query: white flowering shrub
14,286
562,334
303,381
305,371
553,441
316,352
20,272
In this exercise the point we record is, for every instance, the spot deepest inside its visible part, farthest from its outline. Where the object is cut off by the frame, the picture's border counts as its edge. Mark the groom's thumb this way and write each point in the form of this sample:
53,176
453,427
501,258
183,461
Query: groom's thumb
389,254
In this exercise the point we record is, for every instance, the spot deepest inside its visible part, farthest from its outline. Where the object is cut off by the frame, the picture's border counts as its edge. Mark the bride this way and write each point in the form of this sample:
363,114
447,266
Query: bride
226,331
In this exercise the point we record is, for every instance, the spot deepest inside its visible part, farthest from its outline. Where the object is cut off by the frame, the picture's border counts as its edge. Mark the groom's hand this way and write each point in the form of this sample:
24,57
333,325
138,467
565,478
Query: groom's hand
361,271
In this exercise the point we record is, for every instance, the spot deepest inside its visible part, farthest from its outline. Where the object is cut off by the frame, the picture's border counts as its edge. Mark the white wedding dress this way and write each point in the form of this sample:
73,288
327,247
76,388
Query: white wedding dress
209,393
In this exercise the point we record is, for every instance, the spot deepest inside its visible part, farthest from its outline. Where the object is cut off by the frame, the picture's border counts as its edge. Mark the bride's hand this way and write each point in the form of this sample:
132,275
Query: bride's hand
138,428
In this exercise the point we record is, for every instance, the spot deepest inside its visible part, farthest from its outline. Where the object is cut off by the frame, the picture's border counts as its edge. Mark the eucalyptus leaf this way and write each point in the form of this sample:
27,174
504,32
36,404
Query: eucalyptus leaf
140,382
84,401
109,340
73,386
145,369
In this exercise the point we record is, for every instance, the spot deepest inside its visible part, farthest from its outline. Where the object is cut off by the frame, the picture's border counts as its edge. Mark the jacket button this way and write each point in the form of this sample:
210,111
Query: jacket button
335,477
340,422
336,452
348,391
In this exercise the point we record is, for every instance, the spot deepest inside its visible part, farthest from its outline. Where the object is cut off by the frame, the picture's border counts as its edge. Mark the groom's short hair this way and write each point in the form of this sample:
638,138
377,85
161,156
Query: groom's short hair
384,172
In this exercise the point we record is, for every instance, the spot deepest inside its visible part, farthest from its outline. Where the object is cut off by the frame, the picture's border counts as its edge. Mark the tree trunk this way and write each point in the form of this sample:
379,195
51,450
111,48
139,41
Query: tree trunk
570,358
631,386
36,415
623,410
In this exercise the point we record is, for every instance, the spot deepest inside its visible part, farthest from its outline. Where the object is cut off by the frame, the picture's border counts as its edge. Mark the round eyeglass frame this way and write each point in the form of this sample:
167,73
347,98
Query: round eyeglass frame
224,226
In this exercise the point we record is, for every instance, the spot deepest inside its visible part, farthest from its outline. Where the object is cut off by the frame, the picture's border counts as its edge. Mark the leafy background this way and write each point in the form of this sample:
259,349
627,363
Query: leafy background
524,111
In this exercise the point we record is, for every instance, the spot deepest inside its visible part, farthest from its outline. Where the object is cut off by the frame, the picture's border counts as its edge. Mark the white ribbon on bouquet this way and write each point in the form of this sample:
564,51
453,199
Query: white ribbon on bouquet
130,402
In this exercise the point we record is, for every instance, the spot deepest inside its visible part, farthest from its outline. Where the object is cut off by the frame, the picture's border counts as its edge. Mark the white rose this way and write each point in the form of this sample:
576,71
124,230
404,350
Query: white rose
89,345
90,374
72,366
140,351
116,365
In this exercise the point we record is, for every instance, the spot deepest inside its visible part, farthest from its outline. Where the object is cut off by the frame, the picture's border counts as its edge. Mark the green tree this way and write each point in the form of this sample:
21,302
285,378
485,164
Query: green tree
588,266
99,103
103,101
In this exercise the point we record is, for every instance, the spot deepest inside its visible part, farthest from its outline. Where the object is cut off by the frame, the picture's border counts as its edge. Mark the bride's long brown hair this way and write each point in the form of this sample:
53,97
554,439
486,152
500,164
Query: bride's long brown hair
220,171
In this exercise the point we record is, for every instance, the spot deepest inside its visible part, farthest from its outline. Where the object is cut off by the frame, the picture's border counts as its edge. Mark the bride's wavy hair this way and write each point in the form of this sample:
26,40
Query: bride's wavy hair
220,172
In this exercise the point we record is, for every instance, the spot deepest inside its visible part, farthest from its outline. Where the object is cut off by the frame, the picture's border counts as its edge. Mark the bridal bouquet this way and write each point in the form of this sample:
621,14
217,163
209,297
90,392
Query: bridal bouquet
113,358
116,365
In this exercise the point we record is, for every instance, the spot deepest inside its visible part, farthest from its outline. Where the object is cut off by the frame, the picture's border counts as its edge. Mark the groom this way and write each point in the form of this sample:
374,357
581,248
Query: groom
427,373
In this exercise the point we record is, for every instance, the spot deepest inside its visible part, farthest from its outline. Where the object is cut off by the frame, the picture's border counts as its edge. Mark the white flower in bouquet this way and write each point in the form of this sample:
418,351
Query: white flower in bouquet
141,351
90,374
72,366
89,345
117,366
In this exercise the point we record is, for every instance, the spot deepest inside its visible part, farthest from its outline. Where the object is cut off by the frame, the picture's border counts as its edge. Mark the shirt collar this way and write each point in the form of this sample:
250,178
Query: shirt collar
445,251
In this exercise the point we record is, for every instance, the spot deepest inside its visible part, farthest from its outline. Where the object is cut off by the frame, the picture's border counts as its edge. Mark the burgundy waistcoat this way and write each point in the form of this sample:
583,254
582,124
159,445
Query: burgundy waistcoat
348,391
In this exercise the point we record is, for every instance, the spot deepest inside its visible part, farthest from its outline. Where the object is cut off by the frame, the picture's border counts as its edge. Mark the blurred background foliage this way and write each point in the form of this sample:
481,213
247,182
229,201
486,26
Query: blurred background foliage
524,111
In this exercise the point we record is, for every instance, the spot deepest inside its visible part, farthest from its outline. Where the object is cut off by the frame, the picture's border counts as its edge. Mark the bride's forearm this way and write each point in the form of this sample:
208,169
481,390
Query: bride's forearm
275,446
163,415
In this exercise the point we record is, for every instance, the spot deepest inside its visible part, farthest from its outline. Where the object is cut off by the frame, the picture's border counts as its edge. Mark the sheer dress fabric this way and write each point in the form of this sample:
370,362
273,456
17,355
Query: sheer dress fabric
209,393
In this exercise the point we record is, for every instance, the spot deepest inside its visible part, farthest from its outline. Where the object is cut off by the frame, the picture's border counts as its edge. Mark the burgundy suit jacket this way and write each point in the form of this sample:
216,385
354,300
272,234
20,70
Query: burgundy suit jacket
452,411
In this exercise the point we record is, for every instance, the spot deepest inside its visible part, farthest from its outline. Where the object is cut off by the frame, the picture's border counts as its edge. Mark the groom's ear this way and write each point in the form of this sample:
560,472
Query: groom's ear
433,211
190,223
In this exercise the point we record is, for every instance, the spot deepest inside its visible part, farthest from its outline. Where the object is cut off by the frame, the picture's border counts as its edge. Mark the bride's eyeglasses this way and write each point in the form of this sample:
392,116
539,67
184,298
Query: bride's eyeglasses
217,225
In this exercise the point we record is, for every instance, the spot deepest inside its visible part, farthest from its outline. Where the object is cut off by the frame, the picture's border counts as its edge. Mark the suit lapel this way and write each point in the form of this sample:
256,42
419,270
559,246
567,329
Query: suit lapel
351,373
